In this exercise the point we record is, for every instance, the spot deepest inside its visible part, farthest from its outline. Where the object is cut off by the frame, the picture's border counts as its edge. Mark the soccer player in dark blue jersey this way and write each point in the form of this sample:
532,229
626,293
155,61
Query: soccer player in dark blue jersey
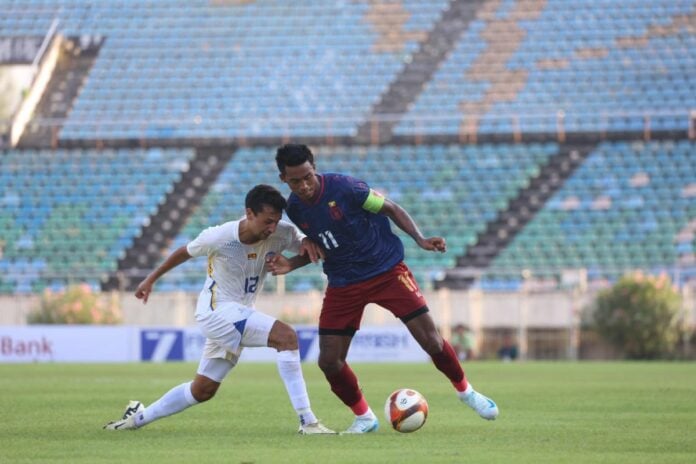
363,260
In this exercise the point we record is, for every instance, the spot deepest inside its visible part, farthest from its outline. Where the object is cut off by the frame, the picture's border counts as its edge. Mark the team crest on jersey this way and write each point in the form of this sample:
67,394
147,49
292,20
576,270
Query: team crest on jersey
251,256
335,211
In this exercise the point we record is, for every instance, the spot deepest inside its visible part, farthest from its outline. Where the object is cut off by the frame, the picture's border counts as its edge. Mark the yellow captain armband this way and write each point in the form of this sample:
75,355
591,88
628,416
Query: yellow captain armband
374,202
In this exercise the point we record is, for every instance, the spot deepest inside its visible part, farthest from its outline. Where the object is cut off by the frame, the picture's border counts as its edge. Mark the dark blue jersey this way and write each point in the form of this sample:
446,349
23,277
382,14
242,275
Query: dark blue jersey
359,244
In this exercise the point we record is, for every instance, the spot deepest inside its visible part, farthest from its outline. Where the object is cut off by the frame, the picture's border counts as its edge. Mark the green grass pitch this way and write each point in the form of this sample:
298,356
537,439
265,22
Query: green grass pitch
550,413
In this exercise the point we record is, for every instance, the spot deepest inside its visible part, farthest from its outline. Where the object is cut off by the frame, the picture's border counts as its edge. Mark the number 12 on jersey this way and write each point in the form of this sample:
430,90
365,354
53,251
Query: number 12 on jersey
328,239
250,284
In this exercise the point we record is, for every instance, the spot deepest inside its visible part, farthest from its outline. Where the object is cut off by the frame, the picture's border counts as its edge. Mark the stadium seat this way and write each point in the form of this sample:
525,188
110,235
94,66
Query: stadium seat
451,190
634,211
74,212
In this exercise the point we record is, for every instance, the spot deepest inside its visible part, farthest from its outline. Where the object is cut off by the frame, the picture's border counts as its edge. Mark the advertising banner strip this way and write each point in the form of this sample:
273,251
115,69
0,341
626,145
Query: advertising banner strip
62,343
54,343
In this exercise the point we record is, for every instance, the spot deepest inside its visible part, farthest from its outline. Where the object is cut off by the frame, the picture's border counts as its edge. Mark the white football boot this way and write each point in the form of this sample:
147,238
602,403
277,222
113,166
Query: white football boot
316,428
484,406
127,422
360,425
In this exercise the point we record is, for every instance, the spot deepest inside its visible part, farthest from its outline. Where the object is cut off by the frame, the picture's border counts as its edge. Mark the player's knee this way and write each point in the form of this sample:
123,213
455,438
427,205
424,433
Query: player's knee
433,344
202,392
330,366
204,395
283,337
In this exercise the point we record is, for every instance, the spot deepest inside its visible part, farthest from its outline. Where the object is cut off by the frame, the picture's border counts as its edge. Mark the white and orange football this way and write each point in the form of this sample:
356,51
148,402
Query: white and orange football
406,410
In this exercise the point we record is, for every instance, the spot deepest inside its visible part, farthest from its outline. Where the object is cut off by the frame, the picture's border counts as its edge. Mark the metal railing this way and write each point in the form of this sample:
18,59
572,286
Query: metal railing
337,130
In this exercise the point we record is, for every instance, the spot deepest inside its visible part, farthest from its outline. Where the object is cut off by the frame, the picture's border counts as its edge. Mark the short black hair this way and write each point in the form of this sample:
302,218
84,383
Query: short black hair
262,195
293,154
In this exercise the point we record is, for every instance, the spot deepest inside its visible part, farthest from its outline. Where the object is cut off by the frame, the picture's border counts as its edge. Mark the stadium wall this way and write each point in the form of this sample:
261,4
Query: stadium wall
470,307
545,325
69,343
485,310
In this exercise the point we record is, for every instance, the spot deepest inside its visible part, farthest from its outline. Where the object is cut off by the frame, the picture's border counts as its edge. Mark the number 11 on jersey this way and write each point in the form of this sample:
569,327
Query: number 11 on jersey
328,239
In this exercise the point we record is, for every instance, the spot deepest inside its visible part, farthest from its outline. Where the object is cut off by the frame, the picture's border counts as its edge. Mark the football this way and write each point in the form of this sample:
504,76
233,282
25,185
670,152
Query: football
406,410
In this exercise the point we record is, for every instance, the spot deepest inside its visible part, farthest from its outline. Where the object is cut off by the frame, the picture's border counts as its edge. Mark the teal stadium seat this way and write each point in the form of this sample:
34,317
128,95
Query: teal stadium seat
451,190
630,205
70,214
194,68
604,65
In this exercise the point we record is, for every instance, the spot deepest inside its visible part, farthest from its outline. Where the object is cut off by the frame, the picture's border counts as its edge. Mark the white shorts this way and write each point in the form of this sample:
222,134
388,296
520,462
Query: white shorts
230,328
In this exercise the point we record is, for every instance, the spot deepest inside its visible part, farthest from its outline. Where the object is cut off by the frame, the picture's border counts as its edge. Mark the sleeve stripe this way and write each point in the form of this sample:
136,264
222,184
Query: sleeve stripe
374,202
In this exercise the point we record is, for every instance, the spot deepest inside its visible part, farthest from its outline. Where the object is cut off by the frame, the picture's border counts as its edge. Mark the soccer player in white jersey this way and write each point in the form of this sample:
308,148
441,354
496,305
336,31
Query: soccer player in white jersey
237,252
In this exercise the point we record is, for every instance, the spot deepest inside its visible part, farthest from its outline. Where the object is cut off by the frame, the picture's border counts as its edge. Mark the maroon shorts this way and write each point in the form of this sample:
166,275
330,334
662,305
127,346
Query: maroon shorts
395,290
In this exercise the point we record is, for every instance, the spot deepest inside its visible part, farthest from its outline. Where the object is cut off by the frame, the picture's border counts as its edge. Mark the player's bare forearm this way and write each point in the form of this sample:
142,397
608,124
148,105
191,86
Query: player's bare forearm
405,222
298,261
402,219
310,249
179,256
280,265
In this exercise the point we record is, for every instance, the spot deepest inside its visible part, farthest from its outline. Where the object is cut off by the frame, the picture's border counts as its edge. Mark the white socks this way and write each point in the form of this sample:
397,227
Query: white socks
369,414
466,392
179,398
175,400
290,371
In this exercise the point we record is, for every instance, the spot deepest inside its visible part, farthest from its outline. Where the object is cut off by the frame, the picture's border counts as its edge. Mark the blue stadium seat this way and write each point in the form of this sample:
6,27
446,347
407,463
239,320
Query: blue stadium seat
451,190
630,205
74,212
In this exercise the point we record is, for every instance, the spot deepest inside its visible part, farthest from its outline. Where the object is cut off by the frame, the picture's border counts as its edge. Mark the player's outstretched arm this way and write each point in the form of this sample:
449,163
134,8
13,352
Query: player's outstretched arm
310,249
278,264
180,255
406,223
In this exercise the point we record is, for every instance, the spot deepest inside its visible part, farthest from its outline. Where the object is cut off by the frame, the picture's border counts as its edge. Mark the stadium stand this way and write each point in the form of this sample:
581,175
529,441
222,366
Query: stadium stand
72,213
206,69
450,189
599,96
629,206
588,66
